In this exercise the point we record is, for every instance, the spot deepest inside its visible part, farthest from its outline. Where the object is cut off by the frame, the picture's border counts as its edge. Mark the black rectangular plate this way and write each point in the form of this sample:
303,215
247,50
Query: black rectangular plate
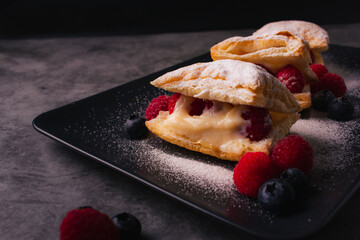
94,127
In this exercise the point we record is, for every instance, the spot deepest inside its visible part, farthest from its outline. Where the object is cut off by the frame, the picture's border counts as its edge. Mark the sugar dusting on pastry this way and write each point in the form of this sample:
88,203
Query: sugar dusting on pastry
192,173
274,51
231,81
317,37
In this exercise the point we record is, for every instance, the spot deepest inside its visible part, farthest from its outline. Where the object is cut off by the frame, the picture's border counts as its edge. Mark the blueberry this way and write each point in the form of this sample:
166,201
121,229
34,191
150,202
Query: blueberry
297,180
129,227
305,114
276,195
321,100
135,127
340,109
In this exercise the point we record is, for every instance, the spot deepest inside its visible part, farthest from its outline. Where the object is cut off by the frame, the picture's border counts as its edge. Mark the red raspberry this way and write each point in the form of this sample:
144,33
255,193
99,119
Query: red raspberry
332,82
156,105
87,224
260,123
293,152
198,105
292,78
253,169
319,69
172,102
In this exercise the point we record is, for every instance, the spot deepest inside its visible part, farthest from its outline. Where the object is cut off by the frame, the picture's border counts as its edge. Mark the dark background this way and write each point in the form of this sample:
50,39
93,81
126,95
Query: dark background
20,18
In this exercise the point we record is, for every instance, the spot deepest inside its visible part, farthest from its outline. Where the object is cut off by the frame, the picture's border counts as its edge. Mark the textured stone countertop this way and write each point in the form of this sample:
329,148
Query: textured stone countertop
40,179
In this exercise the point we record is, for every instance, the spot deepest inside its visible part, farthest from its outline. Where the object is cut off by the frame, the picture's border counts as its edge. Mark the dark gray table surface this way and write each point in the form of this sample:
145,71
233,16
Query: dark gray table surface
40,180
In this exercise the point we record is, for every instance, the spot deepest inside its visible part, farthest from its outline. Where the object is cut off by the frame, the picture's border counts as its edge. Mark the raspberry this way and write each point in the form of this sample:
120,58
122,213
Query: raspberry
87,224
332,82
260,123
319,69
253,169
198,105
292,78
293,152
156,105
172,102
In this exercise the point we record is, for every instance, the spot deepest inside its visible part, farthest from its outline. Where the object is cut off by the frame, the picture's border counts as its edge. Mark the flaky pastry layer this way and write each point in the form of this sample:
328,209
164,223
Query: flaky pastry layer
316,36
273,51
304,98
230,81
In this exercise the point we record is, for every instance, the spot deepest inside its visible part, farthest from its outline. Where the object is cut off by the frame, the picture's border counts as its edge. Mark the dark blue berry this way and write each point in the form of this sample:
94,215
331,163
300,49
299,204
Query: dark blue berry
129,227
340,109
297,180
135,127
320,100
276,195
305,114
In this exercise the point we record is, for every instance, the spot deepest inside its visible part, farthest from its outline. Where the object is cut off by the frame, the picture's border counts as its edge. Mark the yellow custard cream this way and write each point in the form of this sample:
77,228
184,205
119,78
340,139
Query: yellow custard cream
221,126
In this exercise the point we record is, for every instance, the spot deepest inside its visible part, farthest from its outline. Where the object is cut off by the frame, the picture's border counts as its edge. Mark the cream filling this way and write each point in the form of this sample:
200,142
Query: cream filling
222,126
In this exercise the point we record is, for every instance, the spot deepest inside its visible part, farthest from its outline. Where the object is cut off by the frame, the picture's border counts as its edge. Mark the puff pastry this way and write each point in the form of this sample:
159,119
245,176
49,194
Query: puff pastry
272,51
316,36
232,86
230,81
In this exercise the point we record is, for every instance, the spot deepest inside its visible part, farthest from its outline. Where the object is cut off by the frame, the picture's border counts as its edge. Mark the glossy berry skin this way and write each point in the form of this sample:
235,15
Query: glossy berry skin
172,102
319,69
87,224
332,82
320,100
260,123
198,106
135,127
253,169
293,151
297,179
276,195
156,105
340,109
129,227
292,78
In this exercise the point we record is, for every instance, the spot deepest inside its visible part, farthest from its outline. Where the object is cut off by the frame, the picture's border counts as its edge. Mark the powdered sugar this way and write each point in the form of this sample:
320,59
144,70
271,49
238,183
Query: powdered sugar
194,176
306,30
327,138
231,81
184,171
206,180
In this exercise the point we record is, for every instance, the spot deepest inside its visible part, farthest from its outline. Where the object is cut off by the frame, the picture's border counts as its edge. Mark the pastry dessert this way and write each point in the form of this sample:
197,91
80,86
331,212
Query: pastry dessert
274,52
224,108
316,36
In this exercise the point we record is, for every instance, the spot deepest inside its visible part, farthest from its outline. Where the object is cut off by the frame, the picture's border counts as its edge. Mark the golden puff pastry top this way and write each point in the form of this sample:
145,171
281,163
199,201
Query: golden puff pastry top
316,36
230,81
273,51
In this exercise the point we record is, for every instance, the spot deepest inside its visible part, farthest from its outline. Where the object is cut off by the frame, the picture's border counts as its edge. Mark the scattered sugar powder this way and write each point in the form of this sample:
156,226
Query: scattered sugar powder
208,180
336,144
191,175
330,141
206,175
